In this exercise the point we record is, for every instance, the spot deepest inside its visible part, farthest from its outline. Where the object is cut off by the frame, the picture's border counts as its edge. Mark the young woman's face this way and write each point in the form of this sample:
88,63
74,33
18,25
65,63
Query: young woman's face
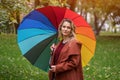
66,29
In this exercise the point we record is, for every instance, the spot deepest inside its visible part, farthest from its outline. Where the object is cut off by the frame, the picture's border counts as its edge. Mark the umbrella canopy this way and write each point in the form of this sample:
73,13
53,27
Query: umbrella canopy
38,30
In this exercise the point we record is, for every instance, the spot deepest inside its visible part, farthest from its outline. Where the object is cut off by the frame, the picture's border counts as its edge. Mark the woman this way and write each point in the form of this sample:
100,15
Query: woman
66,59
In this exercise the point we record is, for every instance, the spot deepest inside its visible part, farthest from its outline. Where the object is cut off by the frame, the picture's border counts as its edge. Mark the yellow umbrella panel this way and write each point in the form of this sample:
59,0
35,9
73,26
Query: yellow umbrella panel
86,36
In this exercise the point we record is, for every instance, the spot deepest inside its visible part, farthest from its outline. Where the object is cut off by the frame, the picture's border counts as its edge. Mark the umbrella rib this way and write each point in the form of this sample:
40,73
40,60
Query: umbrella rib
86,36
27,17
78,17
50,31
50,40
55,16
45,24
37,28
29,55
32,36
88,48
41,55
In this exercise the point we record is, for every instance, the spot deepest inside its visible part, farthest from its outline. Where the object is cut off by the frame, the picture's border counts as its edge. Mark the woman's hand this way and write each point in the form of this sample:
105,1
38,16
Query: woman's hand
53,68
52,47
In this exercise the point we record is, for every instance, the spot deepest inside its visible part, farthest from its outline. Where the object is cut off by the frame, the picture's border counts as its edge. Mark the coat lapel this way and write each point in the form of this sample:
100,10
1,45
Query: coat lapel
63,52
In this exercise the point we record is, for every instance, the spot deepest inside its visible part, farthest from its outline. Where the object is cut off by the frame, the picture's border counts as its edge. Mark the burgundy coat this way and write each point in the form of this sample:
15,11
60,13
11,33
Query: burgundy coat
68,65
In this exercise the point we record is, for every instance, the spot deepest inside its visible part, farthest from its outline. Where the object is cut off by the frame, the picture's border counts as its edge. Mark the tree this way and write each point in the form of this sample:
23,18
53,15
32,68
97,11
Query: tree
62,3
13,9
101,10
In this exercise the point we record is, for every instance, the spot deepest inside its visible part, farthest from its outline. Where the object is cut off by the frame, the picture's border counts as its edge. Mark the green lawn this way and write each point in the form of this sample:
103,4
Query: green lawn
107,33
13,66
104,65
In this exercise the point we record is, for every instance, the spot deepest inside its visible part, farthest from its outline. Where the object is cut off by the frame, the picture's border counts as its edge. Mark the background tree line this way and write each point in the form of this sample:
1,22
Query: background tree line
96,12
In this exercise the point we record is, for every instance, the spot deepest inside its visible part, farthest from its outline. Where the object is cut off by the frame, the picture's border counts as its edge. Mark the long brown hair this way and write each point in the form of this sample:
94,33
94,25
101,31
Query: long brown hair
72,28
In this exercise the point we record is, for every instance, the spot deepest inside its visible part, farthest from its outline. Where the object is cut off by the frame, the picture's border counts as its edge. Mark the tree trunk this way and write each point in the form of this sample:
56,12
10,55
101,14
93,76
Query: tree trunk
100,27
85,15
37,3
96,24
72,4
115,30
97,27
18,21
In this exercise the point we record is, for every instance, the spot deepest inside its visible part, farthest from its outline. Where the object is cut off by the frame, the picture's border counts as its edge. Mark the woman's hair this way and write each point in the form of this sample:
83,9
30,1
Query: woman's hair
72,34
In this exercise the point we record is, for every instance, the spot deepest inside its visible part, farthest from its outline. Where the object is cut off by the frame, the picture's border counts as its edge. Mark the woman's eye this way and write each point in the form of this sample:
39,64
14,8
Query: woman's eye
66,26
69,27
63,26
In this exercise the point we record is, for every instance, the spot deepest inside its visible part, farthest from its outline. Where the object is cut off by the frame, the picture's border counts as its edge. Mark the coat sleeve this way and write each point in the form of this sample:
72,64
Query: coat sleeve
73,58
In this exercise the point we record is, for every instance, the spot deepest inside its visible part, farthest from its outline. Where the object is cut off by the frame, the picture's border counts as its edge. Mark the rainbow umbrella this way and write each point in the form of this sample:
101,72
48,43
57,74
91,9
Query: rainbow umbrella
38,30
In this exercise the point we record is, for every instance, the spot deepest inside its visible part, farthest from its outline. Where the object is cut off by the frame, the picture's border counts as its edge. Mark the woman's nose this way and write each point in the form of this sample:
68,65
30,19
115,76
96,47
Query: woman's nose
65,28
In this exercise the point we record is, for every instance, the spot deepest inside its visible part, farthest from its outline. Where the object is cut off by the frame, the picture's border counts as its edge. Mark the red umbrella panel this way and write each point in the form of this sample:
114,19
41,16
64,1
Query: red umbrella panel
38,30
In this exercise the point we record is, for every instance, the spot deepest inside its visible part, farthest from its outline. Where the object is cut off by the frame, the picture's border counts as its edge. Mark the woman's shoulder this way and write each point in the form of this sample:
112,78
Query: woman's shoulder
75,41
74,44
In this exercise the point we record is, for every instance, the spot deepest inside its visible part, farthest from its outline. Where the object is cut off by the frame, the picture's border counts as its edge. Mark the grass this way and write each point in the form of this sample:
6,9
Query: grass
104,65
107,33
13,66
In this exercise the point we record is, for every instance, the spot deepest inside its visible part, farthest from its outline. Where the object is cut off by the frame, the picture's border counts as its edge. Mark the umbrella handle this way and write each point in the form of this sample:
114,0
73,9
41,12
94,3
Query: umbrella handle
49,63
51,58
